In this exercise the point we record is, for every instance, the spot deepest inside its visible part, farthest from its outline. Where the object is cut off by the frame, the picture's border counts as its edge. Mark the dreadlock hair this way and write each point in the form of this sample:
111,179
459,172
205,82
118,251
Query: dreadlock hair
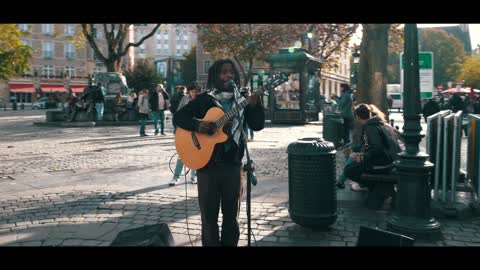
214,72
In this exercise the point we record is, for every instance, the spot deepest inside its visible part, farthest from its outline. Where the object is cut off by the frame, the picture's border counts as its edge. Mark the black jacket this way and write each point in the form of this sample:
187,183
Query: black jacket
197,108
381,145
430,108
154,101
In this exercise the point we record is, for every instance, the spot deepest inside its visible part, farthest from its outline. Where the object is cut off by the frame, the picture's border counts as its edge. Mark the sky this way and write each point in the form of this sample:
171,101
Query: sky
474,33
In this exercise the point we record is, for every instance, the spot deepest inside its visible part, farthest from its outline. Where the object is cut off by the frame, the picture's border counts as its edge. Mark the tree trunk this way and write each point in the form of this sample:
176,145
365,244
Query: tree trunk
372,79
113,65
372,73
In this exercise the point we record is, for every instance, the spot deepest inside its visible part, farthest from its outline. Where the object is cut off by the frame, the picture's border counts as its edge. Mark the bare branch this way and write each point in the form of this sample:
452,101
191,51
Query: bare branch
92,42
140,41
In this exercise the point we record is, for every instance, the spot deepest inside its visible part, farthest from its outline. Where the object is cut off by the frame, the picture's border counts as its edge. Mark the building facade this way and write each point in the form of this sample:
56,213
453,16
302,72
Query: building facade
169,41
56,65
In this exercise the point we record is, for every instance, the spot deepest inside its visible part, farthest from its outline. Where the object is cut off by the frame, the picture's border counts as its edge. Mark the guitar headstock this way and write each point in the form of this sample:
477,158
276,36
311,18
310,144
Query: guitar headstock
273,81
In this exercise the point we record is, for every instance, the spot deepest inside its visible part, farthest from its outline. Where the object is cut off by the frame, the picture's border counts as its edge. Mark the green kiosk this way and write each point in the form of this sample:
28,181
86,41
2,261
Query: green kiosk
296,101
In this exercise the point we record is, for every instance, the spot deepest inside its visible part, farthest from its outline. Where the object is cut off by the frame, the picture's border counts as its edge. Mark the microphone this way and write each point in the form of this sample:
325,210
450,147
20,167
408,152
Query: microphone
232,86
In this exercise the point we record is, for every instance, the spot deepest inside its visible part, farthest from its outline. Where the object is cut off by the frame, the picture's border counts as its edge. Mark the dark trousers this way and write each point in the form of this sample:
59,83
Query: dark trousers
347,127
354,171
219,186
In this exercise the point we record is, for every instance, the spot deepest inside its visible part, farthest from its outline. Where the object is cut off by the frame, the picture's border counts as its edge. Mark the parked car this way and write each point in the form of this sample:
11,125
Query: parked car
44,103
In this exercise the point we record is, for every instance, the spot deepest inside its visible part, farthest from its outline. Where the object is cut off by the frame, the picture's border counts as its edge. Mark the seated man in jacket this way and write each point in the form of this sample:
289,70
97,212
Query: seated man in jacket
380,147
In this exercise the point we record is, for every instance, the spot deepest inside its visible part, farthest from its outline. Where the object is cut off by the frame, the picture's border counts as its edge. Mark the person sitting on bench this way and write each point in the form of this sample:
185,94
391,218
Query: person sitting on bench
380,146
357,149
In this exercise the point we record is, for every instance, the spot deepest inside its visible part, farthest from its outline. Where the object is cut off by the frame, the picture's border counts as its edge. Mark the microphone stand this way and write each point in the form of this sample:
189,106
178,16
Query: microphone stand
249,167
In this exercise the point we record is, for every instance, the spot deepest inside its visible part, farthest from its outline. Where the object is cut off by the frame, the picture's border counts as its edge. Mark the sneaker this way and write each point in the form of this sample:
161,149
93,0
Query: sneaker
357,187
163,133
156,132
173,182
143,135
340,185
194,180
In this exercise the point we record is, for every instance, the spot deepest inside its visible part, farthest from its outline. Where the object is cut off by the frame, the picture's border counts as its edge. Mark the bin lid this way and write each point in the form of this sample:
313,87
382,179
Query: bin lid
311,146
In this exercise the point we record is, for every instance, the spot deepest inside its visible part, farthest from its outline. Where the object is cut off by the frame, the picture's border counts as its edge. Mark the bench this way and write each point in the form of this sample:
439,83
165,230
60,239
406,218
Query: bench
381,190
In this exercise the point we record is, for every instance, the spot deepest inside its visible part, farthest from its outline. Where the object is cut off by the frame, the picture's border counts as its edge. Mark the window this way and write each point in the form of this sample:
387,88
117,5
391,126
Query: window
287,95
70,71
206,66
24,27
165,32
165,41
159,41
47,71
165,51
178,52
185,42
142,50
177,33
26,42
69,51
69,30
185,33
47,28
47,49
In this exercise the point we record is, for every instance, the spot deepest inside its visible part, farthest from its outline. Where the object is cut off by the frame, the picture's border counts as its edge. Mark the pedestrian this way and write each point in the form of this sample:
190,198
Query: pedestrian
119,107
143,110
99,100
380,149
192,92
346,110
176,98
159,102
219,181
131,100
430,108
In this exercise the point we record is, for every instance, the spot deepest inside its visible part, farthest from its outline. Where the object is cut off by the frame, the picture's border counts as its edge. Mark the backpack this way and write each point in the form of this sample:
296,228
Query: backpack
389,139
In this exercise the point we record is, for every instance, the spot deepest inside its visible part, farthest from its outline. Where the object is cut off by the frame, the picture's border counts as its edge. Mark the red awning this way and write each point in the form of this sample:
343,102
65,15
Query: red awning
46,88
24,88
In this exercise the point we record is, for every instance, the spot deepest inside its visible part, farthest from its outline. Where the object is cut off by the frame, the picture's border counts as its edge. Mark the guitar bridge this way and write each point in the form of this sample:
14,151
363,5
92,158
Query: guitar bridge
195,141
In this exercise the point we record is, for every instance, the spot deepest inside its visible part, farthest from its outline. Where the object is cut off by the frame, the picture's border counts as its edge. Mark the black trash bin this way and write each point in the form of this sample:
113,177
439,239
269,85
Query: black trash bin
311,182
333,128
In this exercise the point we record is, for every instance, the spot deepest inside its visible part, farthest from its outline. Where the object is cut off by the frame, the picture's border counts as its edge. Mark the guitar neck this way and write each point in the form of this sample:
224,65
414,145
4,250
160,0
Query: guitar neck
231,113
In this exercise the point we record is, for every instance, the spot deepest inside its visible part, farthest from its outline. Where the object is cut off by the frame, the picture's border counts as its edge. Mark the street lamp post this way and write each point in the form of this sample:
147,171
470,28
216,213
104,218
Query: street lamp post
412,215
356,61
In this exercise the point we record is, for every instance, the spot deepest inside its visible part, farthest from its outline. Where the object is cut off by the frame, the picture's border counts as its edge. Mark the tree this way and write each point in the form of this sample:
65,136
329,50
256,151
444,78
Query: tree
14,56
395,46
329,40
116,36
189,66
373,66
253,42
243,42
448,54
143,75
470,71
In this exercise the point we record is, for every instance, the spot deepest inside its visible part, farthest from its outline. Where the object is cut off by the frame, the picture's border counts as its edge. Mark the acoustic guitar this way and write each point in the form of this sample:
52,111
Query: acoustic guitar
195,149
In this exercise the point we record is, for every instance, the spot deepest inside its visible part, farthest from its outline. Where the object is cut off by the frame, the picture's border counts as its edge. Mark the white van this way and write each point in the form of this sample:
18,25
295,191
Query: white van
396,94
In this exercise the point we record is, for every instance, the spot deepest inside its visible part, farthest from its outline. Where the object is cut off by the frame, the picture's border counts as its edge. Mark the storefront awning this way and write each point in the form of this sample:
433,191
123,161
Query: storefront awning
46,88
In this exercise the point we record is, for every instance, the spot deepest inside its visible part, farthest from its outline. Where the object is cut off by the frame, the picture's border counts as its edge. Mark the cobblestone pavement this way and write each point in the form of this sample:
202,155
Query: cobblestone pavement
81,186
